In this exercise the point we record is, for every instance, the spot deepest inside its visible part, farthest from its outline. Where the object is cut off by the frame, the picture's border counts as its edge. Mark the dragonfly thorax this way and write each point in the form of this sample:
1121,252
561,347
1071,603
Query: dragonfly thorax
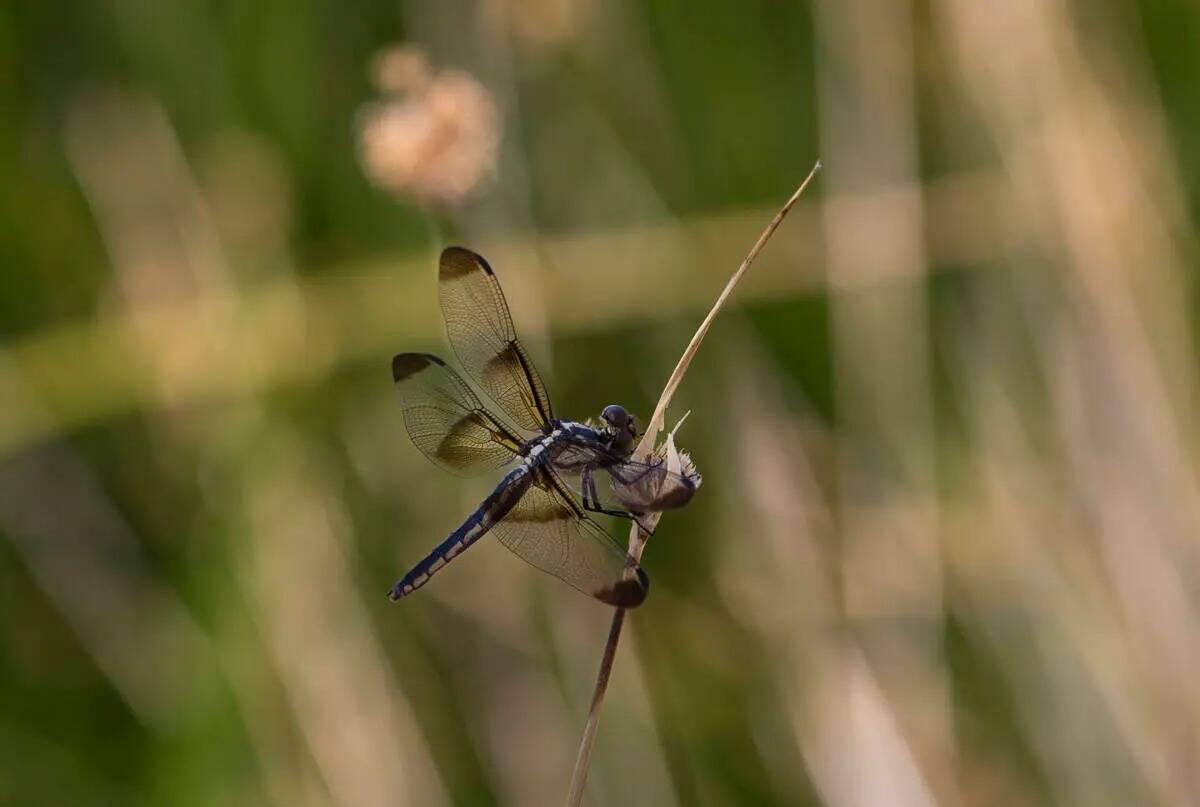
542,448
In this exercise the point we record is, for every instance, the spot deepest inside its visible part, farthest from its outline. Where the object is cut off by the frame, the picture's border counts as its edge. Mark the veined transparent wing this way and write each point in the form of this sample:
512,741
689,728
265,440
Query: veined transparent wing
481,332
446,420
645,487
548,529
627,485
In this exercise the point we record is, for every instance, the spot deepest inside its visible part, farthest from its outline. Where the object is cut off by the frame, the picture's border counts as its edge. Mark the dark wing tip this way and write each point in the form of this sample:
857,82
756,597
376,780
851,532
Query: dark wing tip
458,261
629,592
456,253
679,495
406,365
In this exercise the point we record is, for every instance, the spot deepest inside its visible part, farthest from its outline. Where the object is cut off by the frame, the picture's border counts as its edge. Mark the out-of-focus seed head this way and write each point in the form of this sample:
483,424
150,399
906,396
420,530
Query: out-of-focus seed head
435,137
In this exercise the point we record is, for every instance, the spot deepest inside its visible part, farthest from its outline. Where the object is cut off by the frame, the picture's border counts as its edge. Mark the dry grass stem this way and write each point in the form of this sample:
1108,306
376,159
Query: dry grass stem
656,421
637,538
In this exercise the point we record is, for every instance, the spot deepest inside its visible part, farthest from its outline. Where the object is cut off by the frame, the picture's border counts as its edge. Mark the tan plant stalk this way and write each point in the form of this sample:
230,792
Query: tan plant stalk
637,538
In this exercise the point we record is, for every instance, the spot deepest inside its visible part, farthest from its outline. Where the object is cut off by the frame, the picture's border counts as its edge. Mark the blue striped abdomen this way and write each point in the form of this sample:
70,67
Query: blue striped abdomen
493,508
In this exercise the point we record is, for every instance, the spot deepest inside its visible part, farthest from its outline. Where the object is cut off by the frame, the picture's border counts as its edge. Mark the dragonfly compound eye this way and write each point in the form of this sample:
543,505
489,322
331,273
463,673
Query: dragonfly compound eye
616,416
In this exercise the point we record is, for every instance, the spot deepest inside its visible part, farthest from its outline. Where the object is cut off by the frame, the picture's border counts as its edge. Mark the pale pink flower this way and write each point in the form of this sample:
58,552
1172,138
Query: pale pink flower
438,143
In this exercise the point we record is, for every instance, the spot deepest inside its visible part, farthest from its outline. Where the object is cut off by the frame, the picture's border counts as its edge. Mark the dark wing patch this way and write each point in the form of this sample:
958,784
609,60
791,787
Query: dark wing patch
445,419
548,530
481,332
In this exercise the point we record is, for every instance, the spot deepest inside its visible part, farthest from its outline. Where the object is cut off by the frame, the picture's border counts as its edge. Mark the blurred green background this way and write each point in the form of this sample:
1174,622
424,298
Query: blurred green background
946,550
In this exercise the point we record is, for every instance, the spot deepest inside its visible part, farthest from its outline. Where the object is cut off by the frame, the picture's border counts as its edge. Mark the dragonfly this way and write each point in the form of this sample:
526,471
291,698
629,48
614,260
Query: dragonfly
560,472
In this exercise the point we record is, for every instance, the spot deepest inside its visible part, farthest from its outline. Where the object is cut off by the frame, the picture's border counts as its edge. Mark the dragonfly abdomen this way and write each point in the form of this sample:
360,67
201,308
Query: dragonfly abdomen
493,508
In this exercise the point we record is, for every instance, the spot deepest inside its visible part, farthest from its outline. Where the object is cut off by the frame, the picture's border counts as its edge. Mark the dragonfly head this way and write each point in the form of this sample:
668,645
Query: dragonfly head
621,426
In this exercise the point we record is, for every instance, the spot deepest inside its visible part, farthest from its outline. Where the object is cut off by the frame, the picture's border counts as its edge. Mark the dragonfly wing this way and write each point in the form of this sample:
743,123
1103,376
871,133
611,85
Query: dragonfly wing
646,487
632,486
446,420
548,529
481,332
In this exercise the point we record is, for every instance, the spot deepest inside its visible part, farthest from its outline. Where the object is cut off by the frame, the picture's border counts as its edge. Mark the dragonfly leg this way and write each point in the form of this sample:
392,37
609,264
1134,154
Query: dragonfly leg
587,487
634,517
591,502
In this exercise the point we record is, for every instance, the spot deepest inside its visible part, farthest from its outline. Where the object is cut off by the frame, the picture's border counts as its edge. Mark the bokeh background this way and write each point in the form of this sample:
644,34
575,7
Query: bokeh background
947,547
